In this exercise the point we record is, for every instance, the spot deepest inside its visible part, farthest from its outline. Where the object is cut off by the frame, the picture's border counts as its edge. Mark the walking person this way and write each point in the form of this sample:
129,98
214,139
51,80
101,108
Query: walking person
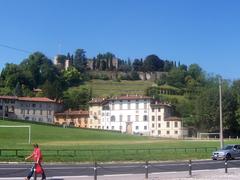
37,157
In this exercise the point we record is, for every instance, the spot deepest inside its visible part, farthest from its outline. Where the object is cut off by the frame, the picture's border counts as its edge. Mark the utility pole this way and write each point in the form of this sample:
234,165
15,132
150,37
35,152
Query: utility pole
220,113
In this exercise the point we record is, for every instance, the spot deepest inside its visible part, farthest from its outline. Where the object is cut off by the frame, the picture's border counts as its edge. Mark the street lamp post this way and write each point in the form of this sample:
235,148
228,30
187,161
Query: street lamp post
220,113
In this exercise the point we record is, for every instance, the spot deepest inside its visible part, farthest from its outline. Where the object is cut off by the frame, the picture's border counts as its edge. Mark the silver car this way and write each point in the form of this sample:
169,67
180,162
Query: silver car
230,151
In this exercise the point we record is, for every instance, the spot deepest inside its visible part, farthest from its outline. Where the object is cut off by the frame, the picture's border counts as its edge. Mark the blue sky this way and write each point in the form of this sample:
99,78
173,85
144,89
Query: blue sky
206,32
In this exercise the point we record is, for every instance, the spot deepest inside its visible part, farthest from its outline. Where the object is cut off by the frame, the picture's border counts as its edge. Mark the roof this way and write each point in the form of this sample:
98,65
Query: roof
36,99
130,97
32,99
159,103
173,118
8,97
97,100
70,112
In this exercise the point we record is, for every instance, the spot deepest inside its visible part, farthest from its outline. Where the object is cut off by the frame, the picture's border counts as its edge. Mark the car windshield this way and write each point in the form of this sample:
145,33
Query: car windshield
227,147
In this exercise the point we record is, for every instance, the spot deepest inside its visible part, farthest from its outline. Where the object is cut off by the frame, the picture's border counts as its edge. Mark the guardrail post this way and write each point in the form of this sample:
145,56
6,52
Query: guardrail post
95,171
226,166
190,167
146,170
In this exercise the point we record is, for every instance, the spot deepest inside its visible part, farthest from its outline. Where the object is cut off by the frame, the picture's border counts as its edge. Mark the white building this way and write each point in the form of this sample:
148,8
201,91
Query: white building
135,114
128,114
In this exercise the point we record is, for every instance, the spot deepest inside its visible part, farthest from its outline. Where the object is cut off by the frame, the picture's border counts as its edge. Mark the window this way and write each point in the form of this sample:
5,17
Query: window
145,127
33,111
145,118
112,127
137,117
159,132
137,105
27,111
40,112
120,127
120,105
145,105
136,127
1,107
22,111
152,109
175,124
168,124
159,118
129,118
34,105
153,118
152,125
120,118
176,132
113,106
168,132
159,125
112,118
159,109
129,105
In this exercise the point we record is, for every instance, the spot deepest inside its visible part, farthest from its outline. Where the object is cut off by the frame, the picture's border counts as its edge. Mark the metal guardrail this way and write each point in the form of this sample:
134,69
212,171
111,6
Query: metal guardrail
77,152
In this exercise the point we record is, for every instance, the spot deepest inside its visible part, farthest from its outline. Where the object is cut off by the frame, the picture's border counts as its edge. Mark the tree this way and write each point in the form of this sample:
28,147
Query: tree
176,77
153,63
72,77
167,66
137,65
76,98
80,60
39,68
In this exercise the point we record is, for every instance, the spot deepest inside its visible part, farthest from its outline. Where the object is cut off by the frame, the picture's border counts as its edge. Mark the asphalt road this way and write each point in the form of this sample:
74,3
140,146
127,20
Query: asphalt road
21,170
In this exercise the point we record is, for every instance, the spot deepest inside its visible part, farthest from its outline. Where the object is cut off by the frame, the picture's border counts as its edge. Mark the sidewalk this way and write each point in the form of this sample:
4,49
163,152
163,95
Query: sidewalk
219,174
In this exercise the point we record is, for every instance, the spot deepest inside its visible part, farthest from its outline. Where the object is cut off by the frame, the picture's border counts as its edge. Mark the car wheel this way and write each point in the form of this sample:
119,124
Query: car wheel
228,156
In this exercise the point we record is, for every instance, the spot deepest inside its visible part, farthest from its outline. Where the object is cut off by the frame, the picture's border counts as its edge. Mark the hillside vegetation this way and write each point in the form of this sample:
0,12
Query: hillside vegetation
103,88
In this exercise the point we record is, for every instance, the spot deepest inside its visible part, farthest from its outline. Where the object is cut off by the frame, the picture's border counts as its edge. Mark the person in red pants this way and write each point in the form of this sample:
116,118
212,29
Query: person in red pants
37,157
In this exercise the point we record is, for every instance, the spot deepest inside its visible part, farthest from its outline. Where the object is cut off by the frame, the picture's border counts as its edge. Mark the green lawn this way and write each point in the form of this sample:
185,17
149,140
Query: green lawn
112,88
89,145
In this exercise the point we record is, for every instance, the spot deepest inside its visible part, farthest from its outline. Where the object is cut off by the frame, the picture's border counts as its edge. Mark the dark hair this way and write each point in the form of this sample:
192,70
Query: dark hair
35,145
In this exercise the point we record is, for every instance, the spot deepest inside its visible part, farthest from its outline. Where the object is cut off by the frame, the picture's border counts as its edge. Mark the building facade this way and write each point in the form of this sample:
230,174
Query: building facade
72,118
95,113
128,114
135,114
39,109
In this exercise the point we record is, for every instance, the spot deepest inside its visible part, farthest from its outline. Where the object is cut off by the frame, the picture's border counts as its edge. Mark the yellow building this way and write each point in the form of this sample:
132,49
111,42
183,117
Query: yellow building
72,118
95,110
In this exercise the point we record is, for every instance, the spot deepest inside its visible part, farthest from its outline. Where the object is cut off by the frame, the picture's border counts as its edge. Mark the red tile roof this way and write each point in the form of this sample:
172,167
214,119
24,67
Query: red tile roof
173,118
97,100
32,99
130,97
36,99
8,97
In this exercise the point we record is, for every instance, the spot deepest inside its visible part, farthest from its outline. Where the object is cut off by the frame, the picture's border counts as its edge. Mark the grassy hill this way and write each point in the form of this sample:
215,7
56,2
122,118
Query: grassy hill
105,88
